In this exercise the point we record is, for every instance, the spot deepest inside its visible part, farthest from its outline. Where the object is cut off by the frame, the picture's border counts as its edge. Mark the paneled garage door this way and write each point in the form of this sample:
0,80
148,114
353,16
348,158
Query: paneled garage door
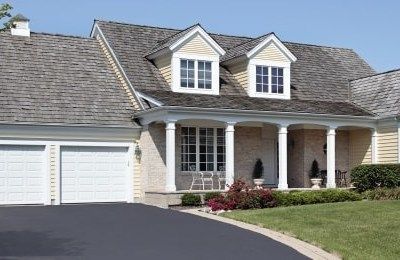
94,174
22,174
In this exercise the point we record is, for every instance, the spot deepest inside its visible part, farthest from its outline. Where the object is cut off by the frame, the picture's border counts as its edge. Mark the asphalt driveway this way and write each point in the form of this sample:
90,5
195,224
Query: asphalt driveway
127,231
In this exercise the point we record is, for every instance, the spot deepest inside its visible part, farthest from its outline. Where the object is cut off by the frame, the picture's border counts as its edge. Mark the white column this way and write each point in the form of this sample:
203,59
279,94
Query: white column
230,153
282,142
374,146
170,156
330,140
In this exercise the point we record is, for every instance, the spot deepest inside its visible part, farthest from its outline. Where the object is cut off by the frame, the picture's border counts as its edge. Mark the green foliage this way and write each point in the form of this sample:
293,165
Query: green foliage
211,195
5,13
383,194
314,197
368,177
314,172
258,169
189,199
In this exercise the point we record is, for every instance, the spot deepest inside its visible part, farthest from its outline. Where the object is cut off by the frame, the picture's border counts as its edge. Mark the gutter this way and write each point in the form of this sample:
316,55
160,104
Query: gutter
3,123
248,112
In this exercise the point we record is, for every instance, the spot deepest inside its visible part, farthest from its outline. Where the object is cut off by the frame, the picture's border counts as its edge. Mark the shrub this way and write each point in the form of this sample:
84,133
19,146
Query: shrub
314,197
383,194
240,196
211,195
368,177
191,200
314,171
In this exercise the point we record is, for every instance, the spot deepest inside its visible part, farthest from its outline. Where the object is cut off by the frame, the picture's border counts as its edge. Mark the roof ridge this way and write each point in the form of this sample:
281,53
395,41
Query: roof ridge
252,39
376,74
178,32
220,34
62,35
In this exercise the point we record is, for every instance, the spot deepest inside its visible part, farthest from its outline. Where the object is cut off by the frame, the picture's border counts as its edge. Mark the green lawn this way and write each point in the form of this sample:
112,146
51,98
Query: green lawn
354,230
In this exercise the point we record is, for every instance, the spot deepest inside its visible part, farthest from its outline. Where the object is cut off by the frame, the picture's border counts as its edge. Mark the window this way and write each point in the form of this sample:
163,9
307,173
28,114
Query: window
204,74
277,80
202,149
269,84
194,69
187,73
262,79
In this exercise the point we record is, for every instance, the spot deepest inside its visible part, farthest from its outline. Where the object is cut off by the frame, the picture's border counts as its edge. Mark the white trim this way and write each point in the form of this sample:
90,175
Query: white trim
47,179
331,157
282,143
374,146
398,142
130,174
251,70
170,158
97,28
200,31
278,43
229,154
150,99
57,199
176,73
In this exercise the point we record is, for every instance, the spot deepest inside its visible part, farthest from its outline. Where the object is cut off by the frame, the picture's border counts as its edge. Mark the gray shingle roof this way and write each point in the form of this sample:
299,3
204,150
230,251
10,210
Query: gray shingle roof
247,103
58,79
379,93
243,48
320,73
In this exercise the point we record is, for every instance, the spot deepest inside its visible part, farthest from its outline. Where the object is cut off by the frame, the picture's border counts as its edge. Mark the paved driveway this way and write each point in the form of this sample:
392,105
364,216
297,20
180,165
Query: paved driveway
126,231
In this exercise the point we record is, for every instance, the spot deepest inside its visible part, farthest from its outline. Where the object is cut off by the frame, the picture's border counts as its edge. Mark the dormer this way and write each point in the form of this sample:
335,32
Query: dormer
189,61
262,67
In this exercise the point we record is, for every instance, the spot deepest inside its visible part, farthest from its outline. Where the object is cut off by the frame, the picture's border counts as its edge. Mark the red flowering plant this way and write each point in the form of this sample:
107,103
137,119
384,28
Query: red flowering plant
241,196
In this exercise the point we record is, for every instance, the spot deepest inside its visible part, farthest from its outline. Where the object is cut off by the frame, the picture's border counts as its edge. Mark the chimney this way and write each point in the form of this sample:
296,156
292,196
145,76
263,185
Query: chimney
20,26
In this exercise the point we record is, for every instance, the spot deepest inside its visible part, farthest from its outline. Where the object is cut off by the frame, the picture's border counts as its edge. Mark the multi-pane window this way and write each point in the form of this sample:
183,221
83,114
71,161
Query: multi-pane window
202,149
188,148
269,79
204,74
262,81
277,80
187,73
196,74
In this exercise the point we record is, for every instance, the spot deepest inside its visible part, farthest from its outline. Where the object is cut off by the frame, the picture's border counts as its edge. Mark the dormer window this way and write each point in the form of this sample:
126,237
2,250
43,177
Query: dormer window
269,79
196,74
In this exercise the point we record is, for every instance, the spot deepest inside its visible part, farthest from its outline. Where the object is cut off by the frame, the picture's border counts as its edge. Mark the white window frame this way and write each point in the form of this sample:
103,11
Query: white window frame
215,145
176,73
253,63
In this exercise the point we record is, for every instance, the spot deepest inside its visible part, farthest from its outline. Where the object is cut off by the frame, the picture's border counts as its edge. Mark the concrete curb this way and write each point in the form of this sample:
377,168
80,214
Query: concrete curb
304,248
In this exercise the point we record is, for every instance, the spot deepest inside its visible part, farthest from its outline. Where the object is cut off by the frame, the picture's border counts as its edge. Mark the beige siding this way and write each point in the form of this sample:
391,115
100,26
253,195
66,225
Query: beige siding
239,72
197,46
53,165
164,65
387,145
360,147
271,53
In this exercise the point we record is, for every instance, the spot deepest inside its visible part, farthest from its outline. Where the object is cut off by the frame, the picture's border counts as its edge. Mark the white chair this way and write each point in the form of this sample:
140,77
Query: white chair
221,176
208,179
201,178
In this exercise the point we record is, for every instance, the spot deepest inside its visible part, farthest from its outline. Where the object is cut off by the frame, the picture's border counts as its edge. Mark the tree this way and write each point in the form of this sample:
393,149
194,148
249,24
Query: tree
314,172
258,169
5,13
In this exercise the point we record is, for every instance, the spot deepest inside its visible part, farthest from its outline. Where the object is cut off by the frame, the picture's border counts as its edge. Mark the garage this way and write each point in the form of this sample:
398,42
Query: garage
94,174
22,174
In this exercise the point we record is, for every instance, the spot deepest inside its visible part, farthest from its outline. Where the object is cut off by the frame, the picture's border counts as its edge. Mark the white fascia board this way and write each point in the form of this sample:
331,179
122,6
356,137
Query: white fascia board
198,30
234,115
97,29
278,43
150,99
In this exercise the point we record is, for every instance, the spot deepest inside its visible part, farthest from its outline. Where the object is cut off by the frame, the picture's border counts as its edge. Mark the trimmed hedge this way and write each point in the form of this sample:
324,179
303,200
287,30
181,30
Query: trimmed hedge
383,194
211,195
191,199
368,177
313,197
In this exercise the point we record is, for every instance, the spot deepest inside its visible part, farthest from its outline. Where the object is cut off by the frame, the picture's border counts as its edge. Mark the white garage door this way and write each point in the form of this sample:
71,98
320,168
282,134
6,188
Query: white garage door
94,174
22,174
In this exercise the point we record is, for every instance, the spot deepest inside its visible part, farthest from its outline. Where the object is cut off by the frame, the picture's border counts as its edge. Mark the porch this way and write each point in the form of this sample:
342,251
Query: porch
174,145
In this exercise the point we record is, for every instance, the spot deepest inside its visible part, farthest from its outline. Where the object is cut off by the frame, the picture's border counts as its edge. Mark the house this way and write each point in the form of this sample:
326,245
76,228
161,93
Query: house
129,113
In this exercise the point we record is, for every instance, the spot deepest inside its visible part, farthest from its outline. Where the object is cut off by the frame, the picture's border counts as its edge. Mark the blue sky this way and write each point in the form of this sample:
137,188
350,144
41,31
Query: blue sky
369,27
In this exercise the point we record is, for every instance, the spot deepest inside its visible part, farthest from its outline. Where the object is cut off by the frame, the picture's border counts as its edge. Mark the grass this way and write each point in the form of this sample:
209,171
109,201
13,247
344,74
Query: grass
353,230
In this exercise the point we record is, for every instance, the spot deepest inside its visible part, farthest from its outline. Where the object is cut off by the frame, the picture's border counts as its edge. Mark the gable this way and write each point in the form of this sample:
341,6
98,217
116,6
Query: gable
271,53
196,45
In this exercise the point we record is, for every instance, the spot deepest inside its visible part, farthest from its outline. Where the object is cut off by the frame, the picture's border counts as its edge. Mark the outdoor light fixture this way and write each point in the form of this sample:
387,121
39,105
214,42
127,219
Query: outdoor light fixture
138,152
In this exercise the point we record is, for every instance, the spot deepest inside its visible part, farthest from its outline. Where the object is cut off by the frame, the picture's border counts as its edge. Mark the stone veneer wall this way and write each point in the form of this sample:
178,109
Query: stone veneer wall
305,145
